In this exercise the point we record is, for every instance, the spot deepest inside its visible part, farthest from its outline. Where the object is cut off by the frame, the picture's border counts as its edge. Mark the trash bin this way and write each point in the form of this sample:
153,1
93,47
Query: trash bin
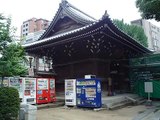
22,112
30,112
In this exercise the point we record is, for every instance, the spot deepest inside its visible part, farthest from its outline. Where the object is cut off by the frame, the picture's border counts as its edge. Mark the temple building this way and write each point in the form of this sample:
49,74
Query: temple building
76,44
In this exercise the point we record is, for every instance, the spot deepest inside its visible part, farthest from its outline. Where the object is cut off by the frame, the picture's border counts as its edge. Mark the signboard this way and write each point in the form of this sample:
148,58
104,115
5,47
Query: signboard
88,82
31,71
148,87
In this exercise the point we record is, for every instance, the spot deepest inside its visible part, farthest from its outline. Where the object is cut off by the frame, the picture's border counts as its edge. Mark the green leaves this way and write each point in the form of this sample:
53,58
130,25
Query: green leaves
11,61
134,31
12,55
9,103
5,29
149,8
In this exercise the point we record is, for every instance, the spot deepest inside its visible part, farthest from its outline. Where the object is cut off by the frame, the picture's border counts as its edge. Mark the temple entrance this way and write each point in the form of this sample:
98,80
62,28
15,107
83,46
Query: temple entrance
119,73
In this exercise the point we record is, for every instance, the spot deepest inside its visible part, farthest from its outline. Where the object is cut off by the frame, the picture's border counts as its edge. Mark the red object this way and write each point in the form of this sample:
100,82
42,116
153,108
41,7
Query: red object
52,94
45,90
27,92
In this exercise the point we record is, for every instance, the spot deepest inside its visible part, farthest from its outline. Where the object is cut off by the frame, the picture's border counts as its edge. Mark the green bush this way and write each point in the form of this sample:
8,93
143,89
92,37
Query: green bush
9,103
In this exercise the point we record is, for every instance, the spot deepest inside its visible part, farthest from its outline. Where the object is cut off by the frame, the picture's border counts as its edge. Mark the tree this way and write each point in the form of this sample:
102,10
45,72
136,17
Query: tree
149,9
11,63
134,31
12,55
5,29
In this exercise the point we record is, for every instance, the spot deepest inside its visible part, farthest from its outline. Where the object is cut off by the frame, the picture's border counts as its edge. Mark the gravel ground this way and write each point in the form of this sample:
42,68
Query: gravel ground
62,113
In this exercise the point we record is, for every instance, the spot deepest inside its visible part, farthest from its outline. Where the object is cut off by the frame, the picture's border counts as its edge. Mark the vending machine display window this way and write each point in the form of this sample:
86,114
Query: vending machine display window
52,83
90,92
52,92
42,84
29,90
45,90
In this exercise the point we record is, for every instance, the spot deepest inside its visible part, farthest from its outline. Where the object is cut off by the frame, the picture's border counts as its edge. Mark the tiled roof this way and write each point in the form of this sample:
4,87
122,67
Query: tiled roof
76,13
71,11
58,35
90,26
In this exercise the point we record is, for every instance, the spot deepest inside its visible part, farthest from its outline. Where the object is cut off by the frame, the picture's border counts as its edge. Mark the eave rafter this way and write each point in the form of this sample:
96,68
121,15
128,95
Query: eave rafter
98,39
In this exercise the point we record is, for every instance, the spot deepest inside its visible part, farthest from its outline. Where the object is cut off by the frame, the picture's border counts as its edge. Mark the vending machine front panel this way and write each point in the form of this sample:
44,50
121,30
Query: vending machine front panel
88,93
42,95
70,92
29,90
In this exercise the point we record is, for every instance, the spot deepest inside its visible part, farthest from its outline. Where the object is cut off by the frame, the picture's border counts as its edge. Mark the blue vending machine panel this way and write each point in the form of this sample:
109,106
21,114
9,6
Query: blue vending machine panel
88,93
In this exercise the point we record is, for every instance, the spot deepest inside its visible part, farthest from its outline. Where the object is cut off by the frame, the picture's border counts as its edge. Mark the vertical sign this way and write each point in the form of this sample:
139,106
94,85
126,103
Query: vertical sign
148,87
31,71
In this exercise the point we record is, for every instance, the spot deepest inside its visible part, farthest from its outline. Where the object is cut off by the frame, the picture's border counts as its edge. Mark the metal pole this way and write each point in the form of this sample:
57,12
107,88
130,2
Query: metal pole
148,96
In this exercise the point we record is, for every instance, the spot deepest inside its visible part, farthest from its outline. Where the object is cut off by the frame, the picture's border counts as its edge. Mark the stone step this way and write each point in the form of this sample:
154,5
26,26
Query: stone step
120,105
50,105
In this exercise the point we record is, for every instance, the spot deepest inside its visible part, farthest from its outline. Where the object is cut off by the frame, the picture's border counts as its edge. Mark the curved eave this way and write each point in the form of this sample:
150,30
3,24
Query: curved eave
52,24
118,32
90,29
62,35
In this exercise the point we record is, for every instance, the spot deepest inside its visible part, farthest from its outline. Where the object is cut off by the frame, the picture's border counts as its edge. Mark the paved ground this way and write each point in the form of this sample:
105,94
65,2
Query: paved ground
140,112
61,113
151,113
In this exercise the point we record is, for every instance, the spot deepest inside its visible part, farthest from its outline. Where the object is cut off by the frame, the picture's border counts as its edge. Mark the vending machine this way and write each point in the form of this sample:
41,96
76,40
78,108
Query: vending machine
29,90
16,82
52,92
88,93
70,92
42,90
45,90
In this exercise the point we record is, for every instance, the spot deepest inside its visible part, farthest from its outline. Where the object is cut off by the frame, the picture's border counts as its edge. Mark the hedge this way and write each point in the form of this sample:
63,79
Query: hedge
9,103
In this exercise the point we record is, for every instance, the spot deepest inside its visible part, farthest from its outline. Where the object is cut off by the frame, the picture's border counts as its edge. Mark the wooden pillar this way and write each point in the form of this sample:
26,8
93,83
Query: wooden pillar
108,68
72,70
95,67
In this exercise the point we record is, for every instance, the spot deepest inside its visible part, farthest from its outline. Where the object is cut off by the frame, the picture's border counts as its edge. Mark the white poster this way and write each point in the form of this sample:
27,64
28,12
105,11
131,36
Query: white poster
16,83
148,86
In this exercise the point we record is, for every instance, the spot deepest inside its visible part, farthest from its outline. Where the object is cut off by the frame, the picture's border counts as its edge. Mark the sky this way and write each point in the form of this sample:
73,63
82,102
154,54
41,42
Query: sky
22,10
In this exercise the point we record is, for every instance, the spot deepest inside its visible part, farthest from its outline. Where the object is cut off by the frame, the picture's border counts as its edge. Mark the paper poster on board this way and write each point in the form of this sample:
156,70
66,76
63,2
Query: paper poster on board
148,87
16,83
